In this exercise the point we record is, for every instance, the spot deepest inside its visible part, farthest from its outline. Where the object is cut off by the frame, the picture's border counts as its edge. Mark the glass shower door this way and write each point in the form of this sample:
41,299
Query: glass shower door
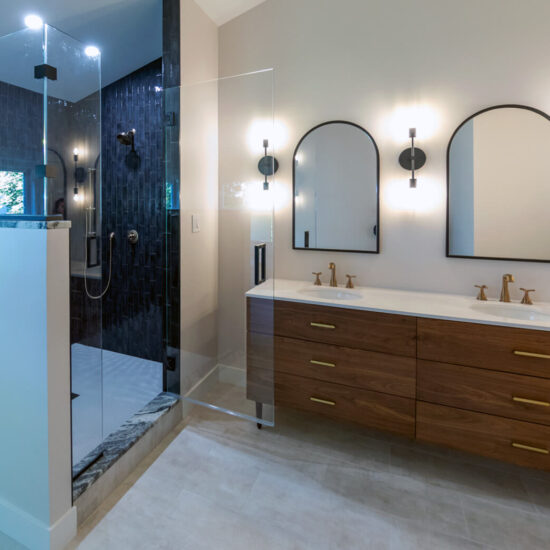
73,151
22,134
227,255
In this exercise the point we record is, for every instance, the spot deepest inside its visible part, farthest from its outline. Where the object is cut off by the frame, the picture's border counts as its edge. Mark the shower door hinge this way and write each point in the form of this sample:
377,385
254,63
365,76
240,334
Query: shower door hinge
170,363
46,171
45,71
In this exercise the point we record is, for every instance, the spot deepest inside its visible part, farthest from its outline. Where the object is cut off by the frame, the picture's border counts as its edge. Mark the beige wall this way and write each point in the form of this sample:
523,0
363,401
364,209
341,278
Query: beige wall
245,113
199,194
373,63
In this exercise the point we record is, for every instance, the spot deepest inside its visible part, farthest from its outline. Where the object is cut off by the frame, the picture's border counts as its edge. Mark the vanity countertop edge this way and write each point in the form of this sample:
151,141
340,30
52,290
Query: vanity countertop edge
430,305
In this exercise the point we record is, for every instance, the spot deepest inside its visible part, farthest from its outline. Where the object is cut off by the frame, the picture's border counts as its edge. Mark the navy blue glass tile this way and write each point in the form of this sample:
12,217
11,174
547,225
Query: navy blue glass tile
134,199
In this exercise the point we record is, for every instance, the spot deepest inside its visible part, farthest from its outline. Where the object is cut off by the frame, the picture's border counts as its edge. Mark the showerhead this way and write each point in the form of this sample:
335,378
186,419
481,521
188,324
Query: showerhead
127,138
132,158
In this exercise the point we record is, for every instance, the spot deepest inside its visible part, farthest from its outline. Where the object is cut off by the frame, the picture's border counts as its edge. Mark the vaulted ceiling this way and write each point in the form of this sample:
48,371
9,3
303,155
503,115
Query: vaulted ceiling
128,32
222,11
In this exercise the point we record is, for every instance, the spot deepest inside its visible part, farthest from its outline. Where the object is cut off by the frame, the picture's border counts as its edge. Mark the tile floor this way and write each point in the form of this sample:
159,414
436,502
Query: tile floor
112,387
219,483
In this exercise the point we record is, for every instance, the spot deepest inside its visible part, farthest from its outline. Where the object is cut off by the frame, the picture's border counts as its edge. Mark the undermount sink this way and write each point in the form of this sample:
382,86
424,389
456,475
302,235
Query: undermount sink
511,311
331,293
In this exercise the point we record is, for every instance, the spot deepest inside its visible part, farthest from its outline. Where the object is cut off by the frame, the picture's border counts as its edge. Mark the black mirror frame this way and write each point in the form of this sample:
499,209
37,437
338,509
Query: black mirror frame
294,247
447,247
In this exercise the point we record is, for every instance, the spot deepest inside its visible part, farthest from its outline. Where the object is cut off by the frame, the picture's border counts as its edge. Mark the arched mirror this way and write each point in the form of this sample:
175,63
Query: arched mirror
335,188
499,185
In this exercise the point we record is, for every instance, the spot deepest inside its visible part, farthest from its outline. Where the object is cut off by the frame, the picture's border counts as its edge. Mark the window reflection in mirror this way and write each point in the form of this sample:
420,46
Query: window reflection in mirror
499,185
336,181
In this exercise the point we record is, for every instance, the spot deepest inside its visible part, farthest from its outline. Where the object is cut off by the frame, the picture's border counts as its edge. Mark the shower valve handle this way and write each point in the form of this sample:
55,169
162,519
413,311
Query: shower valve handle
133,236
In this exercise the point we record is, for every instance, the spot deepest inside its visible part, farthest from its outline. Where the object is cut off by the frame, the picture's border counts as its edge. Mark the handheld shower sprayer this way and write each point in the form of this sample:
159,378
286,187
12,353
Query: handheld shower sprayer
89,214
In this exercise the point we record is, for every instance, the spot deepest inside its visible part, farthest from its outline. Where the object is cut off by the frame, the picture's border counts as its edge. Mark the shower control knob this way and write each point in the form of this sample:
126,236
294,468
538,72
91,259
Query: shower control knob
133,236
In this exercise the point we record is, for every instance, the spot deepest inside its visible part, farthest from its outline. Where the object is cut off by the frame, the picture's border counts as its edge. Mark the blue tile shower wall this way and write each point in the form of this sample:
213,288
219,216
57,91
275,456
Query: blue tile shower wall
134,199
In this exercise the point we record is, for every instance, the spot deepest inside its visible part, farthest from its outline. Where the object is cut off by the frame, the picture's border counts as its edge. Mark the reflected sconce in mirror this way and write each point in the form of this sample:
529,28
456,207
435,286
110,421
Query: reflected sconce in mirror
79,174
412,159
267,165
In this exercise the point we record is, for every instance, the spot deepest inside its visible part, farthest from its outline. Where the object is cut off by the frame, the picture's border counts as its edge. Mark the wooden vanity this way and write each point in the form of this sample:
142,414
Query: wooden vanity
479,388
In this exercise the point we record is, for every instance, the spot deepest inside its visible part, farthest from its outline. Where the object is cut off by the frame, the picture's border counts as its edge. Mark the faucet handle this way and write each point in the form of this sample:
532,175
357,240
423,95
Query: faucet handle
349,284
317,279
481,295
526,298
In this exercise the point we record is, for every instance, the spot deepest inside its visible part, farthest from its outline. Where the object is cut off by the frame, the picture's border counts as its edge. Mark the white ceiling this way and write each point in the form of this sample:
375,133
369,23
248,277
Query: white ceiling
222,11
128,32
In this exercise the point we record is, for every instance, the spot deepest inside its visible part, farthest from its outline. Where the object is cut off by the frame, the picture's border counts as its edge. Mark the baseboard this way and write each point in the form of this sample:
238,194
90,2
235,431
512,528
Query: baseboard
34,534
64,530
236,376
199,390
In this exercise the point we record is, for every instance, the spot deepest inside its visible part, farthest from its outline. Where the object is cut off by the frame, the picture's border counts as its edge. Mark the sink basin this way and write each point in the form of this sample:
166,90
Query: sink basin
511,311
331,293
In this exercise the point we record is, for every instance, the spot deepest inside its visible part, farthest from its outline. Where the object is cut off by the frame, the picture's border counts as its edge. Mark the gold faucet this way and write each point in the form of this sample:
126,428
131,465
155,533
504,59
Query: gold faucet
332,267
481,296
505,292
526,298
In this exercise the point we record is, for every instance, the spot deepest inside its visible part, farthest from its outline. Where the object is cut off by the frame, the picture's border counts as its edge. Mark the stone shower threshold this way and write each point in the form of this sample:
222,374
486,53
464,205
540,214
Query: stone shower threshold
98,461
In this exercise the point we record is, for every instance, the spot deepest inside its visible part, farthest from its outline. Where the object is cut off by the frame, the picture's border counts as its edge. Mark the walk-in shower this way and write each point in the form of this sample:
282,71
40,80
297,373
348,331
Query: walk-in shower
60,159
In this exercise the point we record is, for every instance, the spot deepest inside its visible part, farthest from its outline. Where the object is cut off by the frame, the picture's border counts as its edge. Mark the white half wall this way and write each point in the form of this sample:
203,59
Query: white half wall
35,398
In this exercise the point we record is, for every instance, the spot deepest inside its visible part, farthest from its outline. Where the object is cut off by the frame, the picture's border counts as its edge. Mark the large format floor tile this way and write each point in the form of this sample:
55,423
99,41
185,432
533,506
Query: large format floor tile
310,483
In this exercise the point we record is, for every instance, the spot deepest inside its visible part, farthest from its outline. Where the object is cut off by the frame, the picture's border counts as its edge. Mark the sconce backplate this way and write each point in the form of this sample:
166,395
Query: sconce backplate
268,165
405,158
80,174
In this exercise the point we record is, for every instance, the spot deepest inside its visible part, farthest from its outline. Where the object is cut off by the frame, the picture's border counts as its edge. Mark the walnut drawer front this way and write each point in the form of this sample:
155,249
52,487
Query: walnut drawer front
259,367
373,409
383,332
370,370
510,395
499,348
522,443
260,315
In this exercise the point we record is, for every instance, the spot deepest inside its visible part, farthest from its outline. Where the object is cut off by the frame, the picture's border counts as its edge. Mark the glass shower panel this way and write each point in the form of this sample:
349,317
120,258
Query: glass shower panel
74,192
22,132
227,245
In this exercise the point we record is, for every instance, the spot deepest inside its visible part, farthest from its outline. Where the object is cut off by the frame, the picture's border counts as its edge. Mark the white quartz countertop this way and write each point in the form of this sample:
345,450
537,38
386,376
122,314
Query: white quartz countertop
404,302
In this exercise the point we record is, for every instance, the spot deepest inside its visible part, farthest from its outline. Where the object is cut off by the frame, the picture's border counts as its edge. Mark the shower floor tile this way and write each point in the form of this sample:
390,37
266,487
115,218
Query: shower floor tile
110,392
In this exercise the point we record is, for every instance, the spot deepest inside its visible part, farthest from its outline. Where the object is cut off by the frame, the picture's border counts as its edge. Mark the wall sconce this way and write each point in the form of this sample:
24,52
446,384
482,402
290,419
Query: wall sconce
412,158
79,173
267,165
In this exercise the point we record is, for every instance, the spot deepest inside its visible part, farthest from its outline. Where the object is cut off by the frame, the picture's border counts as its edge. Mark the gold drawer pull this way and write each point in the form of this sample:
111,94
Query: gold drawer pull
529,354
322,325
531,401
321,363
532,449
322,401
